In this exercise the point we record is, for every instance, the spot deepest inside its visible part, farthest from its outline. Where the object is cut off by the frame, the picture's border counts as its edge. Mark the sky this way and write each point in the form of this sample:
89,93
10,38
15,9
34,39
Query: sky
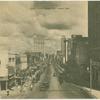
21,20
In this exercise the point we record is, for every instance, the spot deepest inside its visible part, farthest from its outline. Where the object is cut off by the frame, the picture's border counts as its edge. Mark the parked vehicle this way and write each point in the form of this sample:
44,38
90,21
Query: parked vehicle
36,76
31,87
54,74
44,86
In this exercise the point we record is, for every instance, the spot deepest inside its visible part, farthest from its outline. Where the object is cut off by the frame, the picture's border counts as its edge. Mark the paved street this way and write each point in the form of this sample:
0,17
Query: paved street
65,90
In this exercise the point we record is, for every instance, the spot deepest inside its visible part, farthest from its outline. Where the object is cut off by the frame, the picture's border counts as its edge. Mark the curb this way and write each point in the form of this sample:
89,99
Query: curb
86,92
89,93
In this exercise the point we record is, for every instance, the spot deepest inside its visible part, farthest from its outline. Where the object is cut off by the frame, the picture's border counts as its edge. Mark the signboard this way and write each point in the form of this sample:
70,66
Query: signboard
3,72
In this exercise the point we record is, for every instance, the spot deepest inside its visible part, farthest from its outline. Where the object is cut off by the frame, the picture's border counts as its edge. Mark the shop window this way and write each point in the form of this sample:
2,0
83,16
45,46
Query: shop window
3,85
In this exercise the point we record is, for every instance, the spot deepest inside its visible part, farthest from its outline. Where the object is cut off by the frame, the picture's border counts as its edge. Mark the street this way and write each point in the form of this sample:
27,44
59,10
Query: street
55,90
65,90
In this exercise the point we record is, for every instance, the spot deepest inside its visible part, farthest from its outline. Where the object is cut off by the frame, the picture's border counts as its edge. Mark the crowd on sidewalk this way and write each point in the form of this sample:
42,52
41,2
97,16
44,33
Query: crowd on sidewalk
20,90
17,90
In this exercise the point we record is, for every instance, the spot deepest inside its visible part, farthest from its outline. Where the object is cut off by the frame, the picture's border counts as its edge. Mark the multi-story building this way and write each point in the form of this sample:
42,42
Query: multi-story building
13,67
23,62
77,50
3,78
63,48
94,41
59,57
9,65
3,70
38,44
78,60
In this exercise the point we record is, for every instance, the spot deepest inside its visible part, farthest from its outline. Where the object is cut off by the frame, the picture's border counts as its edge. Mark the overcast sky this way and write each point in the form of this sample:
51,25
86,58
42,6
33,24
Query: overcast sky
19,21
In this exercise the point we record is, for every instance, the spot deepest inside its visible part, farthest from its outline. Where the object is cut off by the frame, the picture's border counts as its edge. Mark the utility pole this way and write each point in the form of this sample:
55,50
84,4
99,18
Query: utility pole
91,75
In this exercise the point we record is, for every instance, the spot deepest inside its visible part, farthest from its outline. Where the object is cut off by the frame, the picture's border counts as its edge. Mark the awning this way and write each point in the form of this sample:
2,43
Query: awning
60,68
3,78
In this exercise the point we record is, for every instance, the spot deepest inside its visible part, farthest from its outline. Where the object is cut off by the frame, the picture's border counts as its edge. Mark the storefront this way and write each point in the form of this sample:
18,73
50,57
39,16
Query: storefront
3,83
95,74
3,78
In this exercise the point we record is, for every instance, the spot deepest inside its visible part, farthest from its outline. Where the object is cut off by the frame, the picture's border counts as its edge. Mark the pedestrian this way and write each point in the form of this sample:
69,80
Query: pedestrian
7,92
21,88
60,80
31,87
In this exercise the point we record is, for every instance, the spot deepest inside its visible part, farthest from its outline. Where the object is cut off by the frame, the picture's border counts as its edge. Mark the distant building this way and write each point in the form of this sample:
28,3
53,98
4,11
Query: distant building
38,44
59,57
13,67
23,61
13,63
12,59
77,50
63,48
34,57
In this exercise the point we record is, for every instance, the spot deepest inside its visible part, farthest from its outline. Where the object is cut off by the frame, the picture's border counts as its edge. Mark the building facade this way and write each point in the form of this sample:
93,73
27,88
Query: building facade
38,44
77,49
94,40
23,61
78,60
63,48
3,70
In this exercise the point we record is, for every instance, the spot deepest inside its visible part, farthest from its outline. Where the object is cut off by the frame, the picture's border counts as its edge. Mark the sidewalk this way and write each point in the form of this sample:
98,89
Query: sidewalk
15,92
75,91
93,93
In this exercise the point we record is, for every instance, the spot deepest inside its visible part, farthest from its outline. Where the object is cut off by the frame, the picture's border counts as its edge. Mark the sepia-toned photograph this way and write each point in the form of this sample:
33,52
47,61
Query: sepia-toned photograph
49,49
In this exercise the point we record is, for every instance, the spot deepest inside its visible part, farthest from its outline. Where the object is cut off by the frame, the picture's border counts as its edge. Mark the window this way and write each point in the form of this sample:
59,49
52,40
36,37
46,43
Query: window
9,59
13,59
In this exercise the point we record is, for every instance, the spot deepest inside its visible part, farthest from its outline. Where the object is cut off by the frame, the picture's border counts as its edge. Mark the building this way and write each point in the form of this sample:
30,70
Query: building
13,68
63,48
3,78
82,57
23,62
12,59
59,57
11,63
3,70
94,41
34,57
38,44
78,60
77,50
